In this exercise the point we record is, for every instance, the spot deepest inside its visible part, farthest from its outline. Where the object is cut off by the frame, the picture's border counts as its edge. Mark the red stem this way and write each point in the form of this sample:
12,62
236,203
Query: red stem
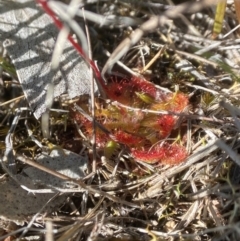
59,24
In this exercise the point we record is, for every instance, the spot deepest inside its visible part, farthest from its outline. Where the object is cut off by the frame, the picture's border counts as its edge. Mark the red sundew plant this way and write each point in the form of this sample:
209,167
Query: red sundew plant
144,133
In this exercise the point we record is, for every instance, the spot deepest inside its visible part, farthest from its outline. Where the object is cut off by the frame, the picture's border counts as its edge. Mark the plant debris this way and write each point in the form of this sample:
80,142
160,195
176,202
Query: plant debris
154,148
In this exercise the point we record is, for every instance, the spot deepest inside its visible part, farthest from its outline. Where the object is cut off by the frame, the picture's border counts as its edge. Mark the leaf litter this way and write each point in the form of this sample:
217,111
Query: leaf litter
20,205
129,199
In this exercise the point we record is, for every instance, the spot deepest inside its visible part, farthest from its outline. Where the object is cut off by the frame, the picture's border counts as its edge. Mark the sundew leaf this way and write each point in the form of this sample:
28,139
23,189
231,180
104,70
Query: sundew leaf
29,36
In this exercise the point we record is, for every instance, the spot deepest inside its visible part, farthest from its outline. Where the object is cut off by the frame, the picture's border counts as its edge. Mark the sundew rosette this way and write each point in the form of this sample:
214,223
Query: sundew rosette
129,120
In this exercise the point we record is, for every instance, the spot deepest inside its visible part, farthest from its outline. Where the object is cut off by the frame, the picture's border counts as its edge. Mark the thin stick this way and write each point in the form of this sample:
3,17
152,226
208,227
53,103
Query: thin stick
153,59
78,182
12,100
94,153
164,112
59,24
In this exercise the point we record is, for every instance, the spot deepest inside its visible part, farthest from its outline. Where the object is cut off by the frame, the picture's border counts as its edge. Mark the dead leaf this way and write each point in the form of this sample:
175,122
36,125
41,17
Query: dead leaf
18,205
29,36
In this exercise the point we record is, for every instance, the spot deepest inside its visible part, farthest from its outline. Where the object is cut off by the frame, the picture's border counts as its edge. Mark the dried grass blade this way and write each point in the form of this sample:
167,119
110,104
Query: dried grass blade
219,16
237,9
